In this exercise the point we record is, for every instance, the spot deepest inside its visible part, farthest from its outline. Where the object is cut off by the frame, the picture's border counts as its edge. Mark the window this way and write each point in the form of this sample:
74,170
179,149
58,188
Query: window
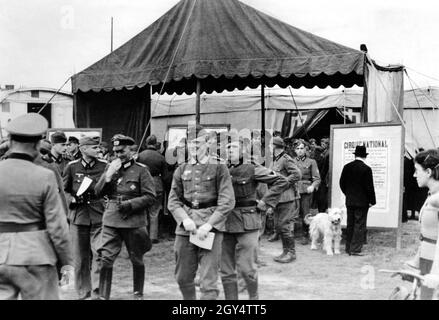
6,107
35,93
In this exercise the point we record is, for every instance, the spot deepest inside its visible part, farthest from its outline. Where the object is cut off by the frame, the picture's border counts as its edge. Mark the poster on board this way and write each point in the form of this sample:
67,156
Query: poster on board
385,144
76,132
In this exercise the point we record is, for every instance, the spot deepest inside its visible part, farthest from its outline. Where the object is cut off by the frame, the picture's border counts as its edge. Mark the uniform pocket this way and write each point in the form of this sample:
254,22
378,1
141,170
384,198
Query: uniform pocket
208,183
243,187
251,219
133,185
187,182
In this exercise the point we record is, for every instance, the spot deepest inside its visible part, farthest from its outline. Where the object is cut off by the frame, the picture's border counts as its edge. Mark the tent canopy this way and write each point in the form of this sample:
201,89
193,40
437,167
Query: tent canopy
227,45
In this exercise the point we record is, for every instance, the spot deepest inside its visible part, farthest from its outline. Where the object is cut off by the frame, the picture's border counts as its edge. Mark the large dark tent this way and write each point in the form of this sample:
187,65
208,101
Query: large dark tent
217,44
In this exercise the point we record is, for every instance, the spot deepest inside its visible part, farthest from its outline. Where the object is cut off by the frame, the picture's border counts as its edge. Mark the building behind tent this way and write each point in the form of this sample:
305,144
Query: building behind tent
18,101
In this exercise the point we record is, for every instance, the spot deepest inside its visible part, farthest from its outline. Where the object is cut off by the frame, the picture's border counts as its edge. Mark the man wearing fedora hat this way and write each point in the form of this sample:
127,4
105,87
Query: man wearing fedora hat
33,233
356,182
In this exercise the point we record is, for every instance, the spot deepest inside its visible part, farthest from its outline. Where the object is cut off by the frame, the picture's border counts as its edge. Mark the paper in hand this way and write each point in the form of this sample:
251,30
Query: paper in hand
84,186
205,244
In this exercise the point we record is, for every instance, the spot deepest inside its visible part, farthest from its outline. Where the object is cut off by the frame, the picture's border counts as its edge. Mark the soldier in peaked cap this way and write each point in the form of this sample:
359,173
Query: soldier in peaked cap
128,189
85,215
33,233
200,199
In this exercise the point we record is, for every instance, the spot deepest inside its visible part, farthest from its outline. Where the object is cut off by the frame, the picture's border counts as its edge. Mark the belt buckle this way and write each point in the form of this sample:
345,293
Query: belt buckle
195,204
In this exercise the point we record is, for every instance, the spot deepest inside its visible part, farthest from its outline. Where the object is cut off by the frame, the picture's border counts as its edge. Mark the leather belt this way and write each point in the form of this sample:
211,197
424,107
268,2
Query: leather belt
422,238
245,203
197,205
117,199
20,227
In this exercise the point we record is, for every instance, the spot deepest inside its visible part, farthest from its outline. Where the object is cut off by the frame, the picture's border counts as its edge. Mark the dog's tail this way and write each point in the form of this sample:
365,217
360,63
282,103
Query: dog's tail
308,218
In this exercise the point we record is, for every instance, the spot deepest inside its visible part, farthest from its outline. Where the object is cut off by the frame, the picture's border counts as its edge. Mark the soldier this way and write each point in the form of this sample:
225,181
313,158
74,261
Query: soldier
286,211
200,199
73,148
128,189
33,233
240,243
309,182
85,216
157,167
58,151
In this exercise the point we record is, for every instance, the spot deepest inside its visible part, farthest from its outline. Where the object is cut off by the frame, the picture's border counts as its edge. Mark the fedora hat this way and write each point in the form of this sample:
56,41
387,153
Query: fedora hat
360,151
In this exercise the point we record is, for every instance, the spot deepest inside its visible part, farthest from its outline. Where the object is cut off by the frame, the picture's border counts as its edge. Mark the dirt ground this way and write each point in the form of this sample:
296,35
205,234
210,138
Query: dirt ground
314,275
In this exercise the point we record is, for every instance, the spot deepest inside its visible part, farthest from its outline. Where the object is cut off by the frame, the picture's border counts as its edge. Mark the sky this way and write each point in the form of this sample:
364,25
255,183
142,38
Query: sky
44,42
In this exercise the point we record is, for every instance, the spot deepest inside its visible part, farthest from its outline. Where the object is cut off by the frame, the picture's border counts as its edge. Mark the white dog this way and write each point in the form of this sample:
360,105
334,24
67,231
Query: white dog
327,226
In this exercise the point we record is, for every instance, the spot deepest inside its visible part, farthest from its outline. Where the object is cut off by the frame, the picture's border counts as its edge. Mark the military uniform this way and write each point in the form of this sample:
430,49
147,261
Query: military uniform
286,212
33,233
127,195
60,162
240,243
157,166
202,191
310,177
85,217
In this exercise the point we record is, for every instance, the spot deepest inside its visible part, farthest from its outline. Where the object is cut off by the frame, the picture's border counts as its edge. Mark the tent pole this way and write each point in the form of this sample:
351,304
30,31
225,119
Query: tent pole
262,112
197,103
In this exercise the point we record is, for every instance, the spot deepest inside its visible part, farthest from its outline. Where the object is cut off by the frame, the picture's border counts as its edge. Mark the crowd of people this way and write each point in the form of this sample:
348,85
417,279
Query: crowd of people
94,198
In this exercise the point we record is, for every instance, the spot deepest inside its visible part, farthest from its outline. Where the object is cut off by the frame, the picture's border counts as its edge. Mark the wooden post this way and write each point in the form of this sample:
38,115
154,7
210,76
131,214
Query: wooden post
197,102
263,114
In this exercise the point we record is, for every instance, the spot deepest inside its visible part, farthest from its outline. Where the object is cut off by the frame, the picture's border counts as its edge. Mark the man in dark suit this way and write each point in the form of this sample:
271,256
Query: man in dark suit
356,182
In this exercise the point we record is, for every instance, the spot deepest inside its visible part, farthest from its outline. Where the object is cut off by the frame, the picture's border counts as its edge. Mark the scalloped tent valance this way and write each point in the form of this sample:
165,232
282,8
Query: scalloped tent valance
226,44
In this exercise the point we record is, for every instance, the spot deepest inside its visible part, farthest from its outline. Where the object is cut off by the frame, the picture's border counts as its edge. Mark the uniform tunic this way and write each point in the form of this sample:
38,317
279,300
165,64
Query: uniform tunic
30,196
240,241
85,217
132,182
89,208
207,184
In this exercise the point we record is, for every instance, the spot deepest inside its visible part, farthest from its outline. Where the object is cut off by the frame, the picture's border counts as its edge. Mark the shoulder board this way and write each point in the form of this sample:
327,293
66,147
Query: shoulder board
74,161
140,164
103,161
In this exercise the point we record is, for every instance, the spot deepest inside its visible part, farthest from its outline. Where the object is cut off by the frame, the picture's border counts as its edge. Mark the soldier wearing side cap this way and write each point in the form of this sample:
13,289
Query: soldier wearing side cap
286,211
85,215
58,151
240,243
128,189
73,151
33,233
200,199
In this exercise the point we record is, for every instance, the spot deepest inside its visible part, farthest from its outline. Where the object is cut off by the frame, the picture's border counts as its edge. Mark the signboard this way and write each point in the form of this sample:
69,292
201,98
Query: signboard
177,132
76,132
385,145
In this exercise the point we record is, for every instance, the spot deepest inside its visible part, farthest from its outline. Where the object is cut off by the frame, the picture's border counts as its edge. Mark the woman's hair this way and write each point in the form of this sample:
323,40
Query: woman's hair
429,159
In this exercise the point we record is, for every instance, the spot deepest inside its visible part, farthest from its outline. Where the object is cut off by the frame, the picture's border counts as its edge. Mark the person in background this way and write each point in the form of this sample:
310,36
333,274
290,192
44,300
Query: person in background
33,233
309,182
427,257
157,167
104,153
356,182
286,211
58,151
73,152
323,166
